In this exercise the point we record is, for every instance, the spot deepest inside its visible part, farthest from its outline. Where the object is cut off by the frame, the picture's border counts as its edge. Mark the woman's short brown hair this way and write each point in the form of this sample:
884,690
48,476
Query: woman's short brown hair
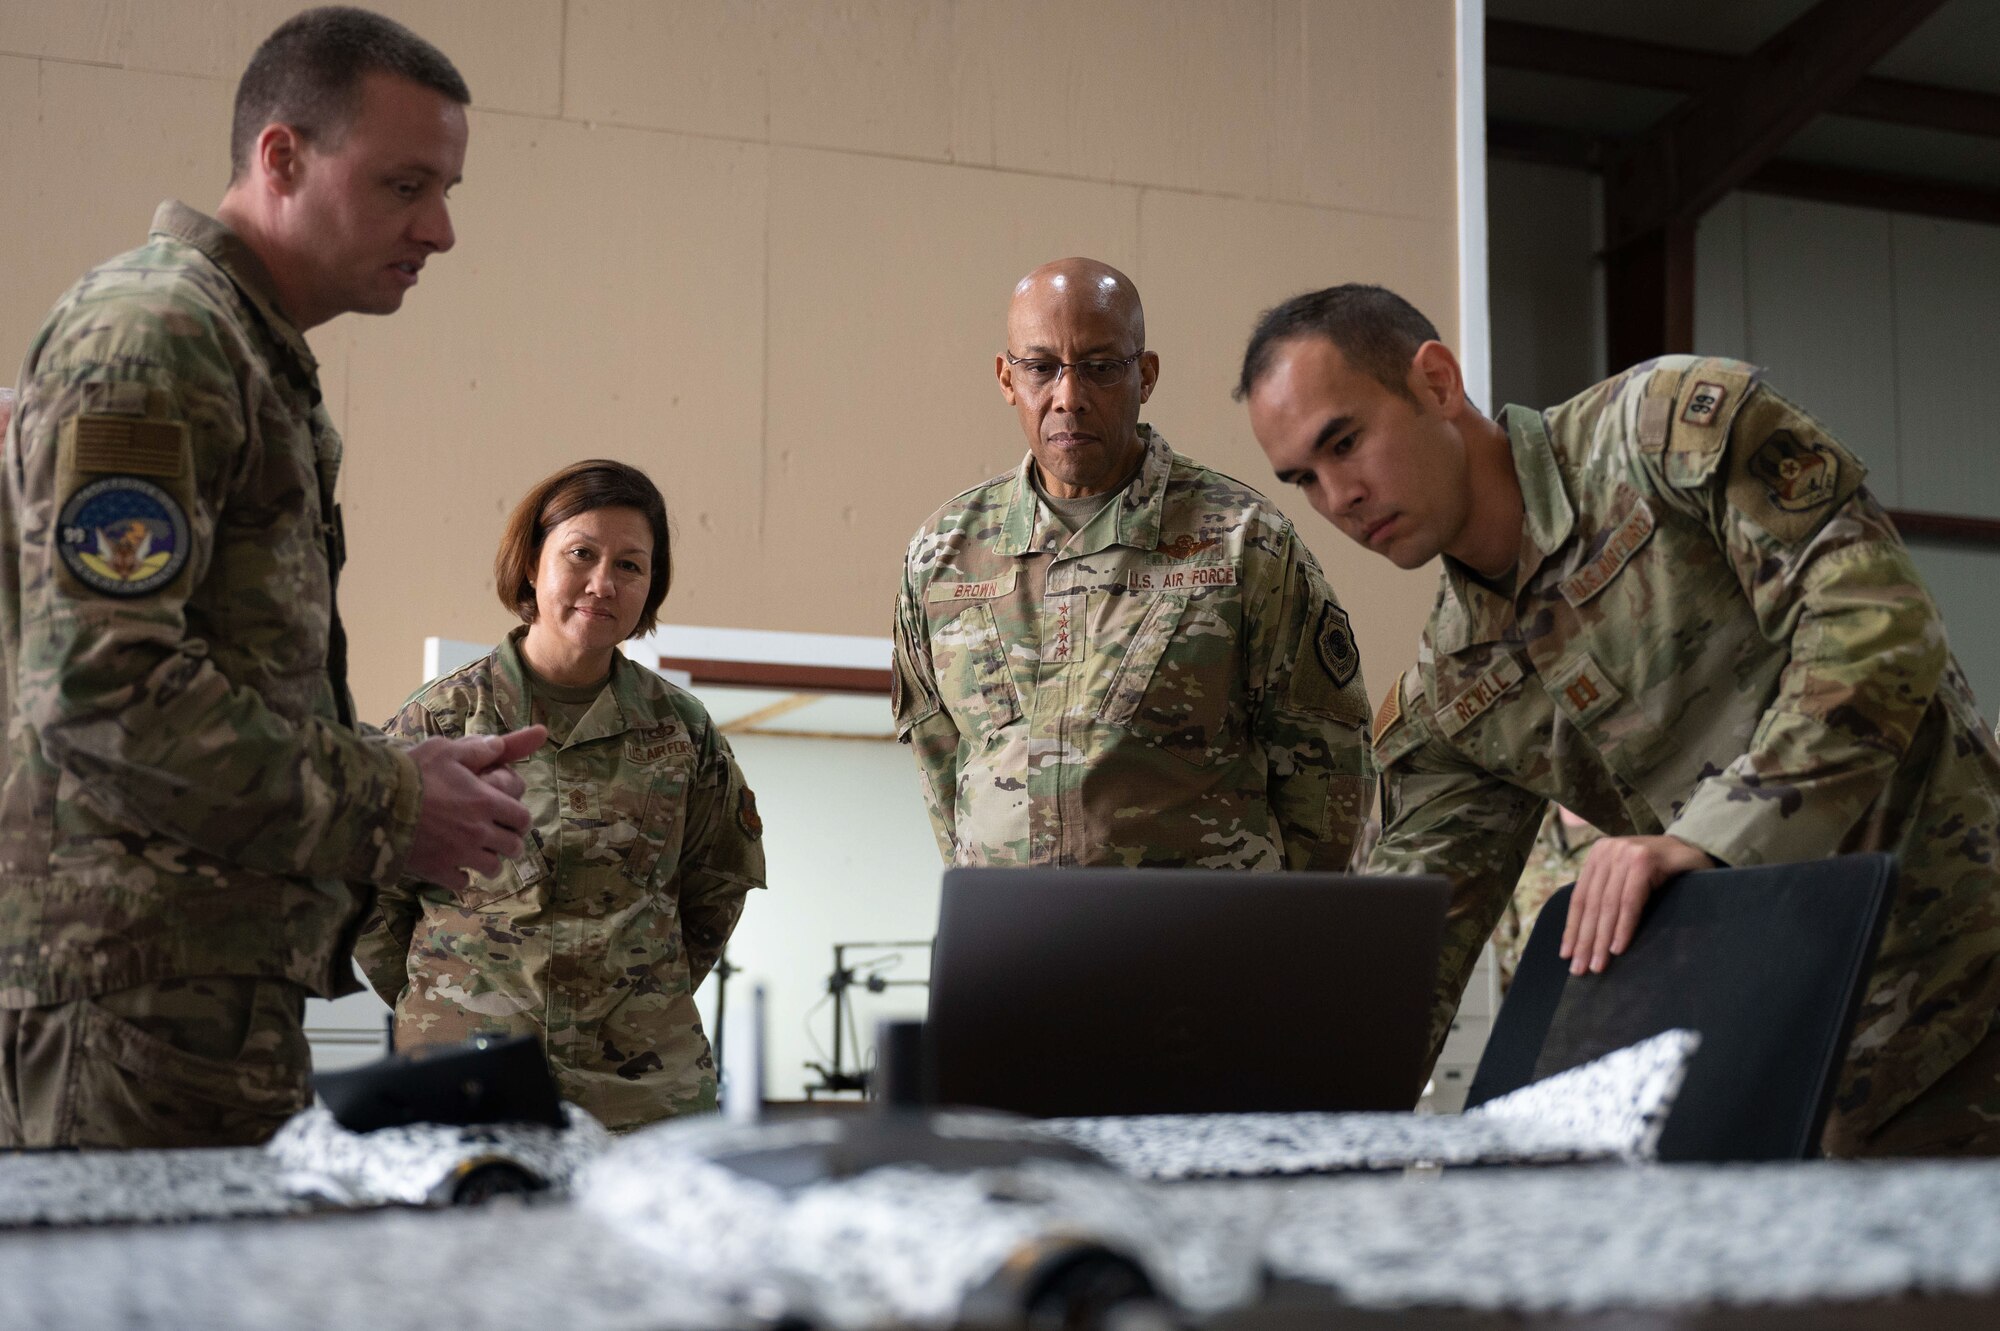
579,488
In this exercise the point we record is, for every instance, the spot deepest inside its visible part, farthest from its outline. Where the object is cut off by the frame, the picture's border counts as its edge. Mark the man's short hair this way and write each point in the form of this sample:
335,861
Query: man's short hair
308,75
579,488
1376,330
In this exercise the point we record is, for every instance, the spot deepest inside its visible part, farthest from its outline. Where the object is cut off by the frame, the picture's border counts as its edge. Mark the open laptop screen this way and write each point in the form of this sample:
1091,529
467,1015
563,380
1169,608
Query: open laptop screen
1061,992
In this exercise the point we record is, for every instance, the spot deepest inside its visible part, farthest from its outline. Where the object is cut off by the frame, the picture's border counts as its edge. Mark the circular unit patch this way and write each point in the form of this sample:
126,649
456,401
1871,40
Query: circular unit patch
123,536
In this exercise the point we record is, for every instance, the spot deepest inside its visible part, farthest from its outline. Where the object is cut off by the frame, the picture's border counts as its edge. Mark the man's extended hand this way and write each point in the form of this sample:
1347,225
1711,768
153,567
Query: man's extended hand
1619,873
471,816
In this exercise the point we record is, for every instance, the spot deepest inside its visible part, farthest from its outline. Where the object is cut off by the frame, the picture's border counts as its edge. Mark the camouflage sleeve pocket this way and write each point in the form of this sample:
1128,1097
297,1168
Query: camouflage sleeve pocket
1327,668
911,702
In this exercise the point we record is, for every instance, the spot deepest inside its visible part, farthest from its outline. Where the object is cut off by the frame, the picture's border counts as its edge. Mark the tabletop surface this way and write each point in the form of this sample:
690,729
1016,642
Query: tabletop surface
1583,1246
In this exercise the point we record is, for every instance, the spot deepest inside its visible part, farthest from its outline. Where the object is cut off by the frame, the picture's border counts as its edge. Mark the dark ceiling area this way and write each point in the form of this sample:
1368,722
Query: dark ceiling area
1890,104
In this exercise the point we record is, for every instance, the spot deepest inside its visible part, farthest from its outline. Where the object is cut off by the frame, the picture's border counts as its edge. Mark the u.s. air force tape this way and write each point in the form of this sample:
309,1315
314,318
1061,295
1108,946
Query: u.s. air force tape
122,536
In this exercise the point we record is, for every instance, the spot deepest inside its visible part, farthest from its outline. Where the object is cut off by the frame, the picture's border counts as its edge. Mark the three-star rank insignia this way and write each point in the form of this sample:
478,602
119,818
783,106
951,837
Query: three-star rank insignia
1797,474
122,536
1335,641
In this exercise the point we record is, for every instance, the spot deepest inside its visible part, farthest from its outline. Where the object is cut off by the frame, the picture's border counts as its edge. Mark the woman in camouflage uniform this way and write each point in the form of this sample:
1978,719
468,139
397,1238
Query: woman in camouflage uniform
645,836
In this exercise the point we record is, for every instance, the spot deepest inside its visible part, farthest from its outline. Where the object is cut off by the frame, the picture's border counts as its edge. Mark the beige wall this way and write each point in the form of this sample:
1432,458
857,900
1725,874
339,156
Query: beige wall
762,249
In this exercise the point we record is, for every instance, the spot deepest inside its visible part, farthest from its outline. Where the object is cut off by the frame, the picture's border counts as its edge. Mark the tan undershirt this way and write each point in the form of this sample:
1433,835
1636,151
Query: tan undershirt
1075,514
557,707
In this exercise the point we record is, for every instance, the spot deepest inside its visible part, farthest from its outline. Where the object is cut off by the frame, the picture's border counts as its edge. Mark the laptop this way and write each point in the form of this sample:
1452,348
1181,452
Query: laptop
1079,992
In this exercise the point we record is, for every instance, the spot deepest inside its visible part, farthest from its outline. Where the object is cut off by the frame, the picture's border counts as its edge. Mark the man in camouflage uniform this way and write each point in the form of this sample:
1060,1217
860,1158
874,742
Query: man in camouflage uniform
1112,655
1670,605
1554,862
645,841
190,821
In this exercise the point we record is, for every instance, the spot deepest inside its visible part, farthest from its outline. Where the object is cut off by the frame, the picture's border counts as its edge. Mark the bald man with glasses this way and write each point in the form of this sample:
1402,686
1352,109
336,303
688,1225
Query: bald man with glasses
1112,655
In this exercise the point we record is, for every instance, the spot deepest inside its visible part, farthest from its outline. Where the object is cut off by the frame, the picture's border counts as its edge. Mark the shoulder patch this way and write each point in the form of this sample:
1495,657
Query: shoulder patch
1335,641
1711,393
1656,412
1400,728
1324,669
747,817
1389,712
1704,402
128,445
1797,474
122,536
1787,475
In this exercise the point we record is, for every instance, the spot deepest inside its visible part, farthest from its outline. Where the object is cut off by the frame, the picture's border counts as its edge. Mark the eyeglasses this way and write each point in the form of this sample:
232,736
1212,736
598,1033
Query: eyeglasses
1038,373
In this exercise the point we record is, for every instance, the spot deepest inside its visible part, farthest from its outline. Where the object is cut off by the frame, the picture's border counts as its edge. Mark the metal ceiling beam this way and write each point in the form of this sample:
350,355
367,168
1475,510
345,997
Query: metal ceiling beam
1666,68
1874,189
1658,183
1551,145
1710,143
1589,55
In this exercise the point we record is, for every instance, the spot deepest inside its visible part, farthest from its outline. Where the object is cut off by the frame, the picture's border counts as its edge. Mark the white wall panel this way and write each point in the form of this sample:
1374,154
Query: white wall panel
851,859
1821,309
1546,296
1721,314
1948,396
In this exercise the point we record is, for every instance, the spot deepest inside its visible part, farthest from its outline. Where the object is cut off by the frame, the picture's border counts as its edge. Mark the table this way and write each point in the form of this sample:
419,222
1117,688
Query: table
1700,1248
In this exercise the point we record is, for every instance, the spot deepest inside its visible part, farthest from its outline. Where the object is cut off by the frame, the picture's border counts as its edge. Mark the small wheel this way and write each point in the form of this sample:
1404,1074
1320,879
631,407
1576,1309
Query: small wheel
480,1182
1056,1284
1079,1292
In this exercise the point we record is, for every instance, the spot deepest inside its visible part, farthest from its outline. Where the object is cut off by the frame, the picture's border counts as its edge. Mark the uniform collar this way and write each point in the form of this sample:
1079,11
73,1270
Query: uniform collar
610,714
1028,525
233,255
1550,515
1468,611
510,681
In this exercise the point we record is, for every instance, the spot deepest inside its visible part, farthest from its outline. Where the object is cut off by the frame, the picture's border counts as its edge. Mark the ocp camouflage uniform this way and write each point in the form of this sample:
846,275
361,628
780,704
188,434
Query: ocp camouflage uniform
1554,862
645,840
188,817
1715,634
1173,685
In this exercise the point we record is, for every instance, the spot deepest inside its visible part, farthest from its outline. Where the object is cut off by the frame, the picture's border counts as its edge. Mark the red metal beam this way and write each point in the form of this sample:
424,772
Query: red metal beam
1872,189
793,678
1950,527
1713,141
1637,64
1553,146
1658,184
1649,296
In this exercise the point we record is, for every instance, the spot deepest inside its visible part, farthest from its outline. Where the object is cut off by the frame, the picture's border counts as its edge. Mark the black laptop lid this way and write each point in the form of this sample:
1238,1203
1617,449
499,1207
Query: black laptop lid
1148,991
